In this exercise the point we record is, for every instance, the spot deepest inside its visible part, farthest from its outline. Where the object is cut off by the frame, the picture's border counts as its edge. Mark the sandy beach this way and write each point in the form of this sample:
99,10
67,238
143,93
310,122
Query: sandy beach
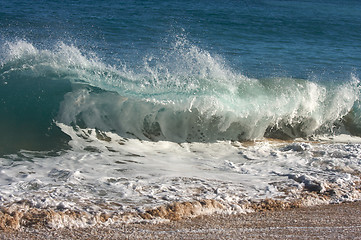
340,221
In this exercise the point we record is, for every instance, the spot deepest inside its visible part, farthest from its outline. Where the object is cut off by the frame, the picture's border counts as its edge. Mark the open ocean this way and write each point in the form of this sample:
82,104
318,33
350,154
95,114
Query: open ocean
119,107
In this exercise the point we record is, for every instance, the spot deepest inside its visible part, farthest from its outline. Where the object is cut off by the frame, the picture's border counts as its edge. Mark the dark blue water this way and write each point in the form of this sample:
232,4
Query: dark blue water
170,51
294,38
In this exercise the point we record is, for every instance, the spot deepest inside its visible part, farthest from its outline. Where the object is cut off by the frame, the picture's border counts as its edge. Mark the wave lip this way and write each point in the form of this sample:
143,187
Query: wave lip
298,108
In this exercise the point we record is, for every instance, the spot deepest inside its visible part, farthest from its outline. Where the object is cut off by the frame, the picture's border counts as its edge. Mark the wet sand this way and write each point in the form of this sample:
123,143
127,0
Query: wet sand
341,221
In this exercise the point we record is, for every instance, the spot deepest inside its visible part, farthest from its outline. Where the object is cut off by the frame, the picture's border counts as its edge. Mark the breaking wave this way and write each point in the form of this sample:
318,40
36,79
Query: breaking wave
185,94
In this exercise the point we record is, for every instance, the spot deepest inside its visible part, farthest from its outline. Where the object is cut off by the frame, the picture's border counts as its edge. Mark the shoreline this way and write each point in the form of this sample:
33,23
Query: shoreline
332,221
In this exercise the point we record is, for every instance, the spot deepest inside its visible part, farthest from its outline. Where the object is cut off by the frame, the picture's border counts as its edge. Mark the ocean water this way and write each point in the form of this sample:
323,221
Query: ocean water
123,106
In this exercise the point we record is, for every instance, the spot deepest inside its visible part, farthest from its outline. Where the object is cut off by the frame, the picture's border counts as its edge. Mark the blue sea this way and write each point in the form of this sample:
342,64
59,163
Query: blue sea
119,107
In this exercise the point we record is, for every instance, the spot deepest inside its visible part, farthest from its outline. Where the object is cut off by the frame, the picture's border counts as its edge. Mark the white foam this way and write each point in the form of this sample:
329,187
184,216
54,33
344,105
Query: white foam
128,174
